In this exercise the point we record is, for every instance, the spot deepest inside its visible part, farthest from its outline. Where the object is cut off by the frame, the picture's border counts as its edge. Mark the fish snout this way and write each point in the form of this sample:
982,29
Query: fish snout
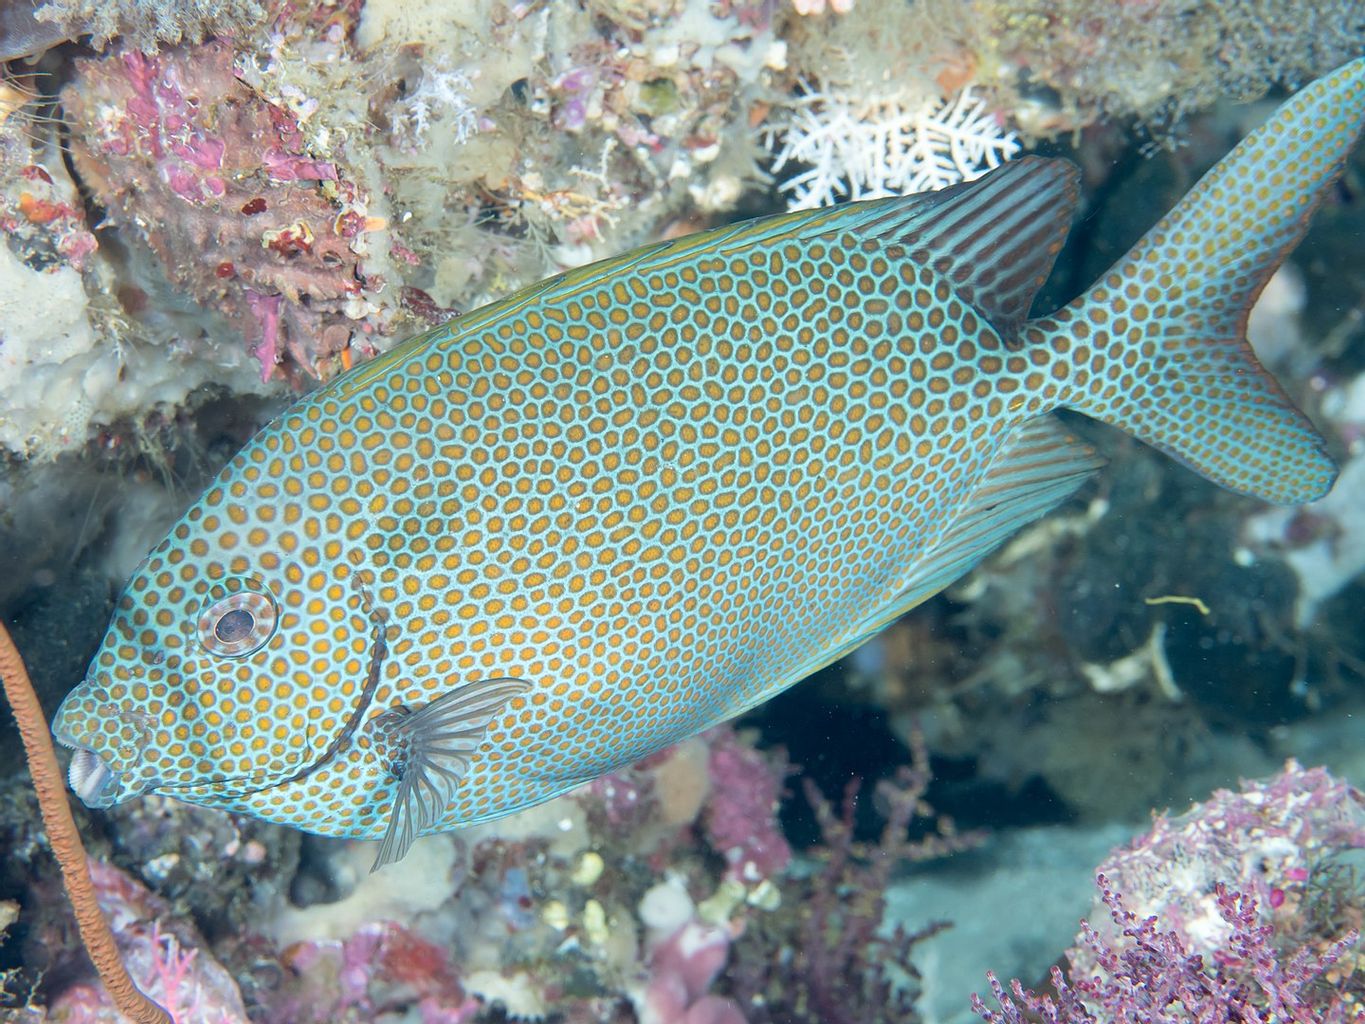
101,763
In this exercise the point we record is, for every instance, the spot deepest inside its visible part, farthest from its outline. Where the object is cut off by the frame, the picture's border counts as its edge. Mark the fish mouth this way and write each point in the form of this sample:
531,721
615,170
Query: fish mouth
91,779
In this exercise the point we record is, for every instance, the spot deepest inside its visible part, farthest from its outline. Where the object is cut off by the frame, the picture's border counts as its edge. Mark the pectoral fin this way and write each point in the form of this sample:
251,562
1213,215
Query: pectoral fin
431,748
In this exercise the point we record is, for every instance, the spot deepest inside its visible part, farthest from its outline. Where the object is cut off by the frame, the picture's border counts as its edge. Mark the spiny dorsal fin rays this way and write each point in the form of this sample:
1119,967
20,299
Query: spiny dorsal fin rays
996,238
437,742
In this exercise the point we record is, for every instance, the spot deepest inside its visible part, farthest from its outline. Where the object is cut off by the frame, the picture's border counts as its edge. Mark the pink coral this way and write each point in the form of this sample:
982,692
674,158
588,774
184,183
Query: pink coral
221,186
683,968
1263,841
382,968
171,966
41,215
1210,901
741,819
266,309
161,124
1154,978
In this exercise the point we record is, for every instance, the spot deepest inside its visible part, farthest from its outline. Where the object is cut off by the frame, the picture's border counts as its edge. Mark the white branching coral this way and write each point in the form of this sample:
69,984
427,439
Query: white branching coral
863,148
442,98
807,8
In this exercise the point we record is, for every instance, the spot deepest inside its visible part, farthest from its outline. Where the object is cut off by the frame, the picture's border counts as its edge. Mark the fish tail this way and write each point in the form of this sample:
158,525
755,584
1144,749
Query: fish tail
1158,345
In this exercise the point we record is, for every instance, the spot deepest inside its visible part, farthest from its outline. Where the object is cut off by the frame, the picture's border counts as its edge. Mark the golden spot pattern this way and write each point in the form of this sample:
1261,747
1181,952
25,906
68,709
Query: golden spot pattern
659,489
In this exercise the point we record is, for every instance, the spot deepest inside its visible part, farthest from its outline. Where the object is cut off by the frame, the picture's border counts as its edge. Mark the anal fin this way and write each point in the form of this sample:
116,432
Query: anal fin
1038,467
431,750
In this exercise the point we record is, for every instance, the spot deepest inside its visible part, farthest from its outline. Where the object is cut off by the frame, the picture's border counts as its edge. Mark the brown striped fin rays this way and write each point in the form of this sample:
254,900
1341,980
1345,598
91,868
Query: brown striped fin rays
994,239
428,750
1039,466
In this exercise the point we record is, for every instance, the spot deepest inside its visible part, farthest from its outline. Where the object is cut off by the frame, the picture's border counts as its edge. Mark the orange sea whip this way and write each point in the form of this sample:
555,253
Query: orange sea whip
66,840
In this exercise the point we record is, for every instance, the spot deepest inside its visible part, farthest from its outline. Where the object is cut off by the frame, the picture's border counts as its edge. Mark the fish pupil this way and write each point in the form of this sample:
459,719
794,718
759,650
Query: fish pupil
234,626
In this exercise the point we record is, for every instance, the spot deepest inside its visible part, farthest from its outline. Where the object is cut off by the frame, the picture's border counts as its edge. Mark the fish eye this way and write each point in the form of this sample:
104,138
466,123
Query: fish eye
237,623
234,626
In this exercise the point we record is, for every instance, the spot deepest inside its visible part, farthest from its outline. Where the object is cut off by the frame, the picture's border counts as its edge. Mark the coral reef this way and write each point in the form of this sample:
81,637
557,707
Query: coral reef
865,113
143,25
320,186
222,189
259,195
53,361
22,35
625,901
169,965
1235,911
1268,842
890,144
684,965
1324,544
74,358
1068,64
355,172
739,817
382,968
223,869
613,900
1157,980
825,956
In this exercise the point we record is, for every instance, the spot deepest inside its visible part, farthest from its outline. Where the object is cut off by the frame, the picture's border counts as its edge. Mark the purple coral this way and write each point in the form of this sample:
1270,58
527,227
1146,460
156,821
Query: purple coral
1156,979
266,309
683,968
221,185
1212,899
824,956
161,124
741,818
1265,841
381,968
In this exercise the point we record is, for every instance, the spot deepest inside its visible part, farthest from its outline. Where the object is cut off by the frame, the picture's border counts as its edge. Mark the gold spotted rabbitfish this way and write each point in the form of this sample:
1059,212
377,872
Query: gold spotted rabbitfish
606,512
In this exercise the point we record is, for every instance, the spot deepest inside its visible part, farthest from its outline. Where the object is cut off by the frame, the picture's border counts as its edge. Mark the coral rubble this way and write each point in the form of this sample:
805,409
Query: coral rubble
1235,911
218,184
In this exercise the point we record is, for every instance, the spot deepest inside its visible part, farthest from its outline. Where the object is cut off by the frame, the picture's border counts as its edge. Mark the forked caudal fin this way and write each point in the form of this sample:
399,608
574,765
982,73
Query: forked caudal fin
1158,346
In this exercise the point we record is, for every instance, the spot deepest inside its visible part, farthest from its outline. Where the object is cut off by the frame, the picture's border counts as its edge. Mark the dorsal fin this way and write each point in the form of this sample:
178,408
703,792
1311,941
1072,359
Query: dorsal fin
433,746
995,238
